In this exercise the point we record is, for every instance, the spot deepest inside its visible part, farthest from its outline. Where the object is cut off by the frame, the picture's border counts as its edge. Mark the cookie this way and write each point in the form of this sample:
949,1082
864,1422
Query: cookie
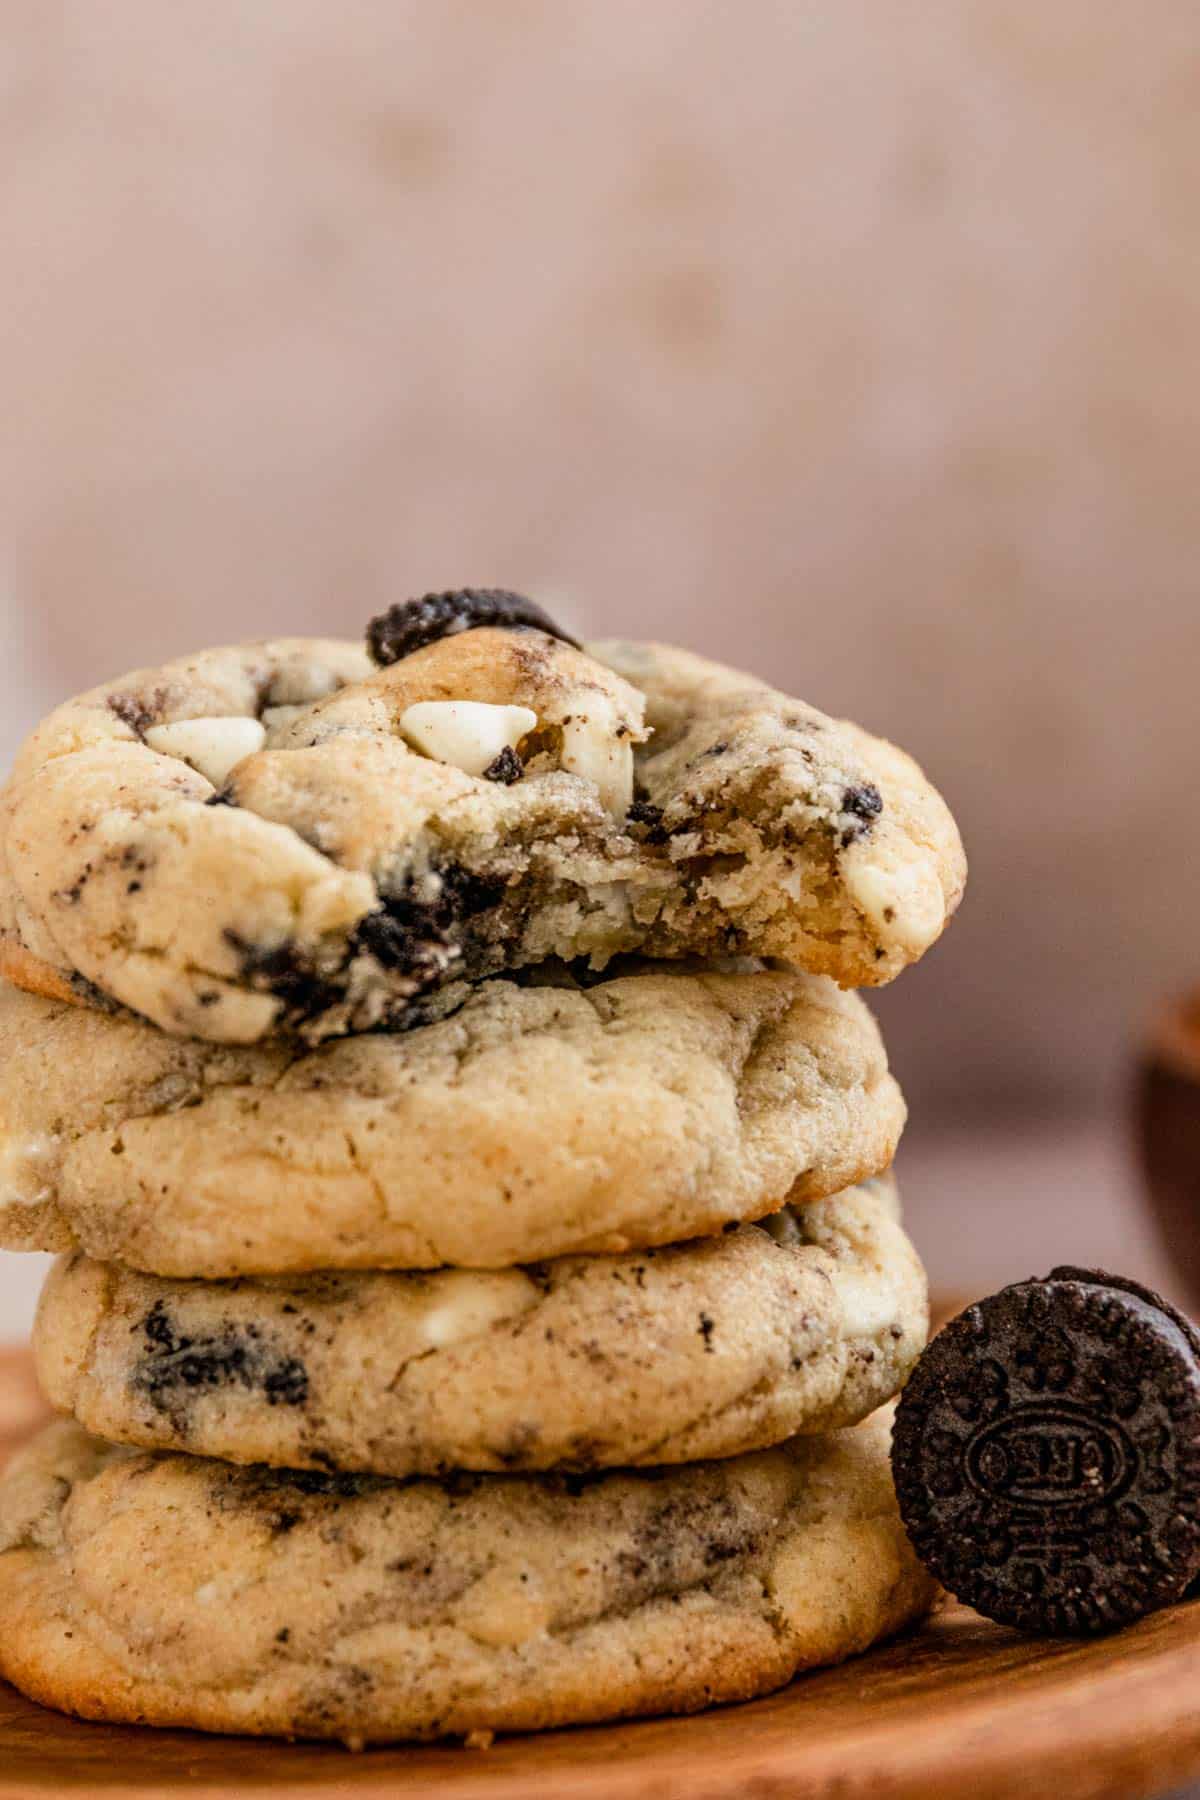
1047,1454
537,1121
172,1590
706,1349
278,837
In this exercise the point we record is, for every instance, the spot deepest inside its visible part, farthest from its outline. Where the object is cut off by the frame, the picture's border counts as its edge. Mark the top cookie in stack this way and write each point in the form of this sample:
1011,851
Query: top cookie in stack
411,1039
282,838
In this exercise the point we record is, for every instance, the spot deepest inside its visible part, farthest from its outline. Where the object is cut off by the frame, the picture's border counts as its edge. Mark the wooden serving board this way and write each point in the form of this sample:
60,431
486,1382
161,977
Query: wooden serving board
957,1710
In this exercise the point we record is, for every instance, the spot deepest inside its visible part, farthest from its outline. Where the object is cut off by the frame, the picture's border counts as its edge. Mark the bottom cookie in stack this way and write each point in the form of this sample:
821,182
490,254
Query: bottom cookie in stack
175,1590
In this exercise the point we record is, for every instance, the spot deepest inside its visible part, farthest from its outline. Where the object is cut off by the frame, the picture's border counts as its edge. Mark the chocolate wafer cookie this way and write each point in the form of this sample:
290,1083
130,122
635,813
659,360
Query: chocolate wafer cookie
1047,1453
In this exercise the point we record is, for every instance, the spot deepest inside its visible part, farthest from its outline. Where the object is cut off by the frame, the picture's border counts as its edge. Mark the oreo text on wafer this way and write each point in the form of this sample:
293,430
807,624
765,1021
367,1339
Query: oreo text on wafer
1047,1454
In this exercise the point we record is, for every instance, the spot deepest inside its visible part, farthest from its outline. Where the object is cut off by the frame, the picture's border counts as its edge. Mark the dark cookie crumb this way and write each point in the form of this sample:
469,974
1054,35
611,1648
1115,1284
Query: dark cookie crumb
506,768
411,624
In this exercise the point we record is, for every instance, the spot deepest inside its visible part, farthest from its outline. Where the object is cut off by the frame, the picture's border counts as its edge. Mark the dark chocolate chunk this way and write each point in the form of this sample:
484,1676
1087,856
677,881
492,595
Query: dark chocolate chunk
507,767
411,624
1047,1454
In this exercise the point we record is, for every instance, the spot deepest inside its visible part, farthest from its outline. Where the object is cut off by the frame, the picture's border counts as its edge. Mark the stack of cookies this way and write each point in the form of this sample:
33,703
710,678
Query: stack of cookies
481,1275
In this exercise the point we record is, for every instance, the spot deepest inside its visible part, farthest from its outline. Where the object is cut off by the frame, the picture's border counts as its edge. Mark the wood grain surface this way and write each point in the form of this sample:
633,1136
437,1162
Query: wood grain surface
957,1710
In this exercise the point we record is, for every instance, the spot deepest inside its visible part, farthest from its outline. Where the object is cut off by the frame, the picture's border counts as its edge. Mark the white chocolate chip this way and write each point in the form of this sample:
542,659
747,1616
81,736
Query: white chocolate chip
505,1608
466,1304
212,746
221,1589
592,750
905,905
468,734
25,1165
868,1305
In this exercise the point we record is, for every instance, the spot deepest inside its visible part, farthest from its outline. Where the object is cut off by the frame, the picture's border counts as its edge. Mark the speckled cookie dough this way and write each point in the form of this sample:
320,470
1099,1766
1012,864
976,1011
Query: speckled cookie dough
171,1590
538,1120
284,837
804,1324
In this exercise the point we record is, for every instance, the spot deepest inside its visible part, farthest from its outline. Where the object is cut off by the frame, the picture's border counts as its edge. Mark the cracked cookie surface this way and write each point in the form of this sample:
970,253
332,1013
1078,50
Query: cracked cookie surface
538,1120
173,1590
804,1324
250,841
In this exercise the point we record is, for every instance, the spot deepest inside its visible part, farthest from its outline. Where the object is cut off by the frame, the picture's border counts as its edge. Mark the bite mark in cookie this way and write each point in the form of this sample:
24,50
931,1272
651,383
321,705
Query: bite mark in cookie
176,1591
633,799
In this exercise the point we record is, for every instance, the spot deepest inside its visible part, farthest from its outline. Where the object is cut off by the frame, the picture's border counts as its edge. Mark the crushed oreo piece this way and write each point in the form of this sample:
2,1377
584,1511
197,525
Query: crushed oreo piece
282,971
176,1368
414,934
1046,1454
864,805
411,624
90,994
506,768
258,1480
284,1498
137,711
647,817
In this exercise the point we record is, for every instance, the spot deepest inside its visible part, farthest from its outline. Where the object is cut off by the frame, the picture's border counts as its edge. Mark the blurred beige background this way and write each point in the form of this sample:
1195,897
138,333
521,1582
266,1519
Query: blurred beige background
856,343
